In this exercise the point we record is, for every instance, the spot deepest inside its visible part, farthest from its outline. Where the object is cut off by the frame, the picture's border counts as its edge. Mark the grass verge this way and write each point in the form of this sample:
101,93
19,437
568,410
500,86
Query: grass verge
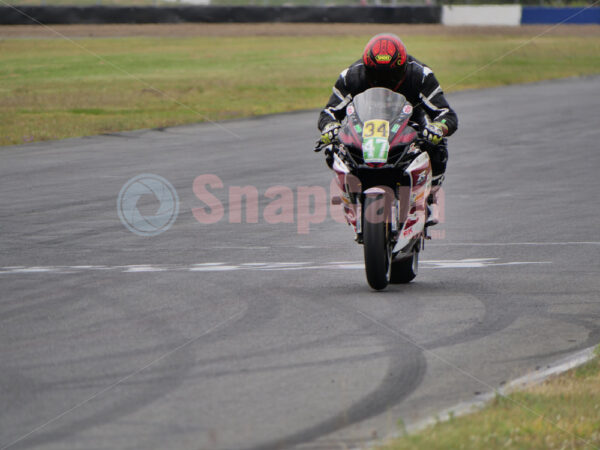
561,413
54,88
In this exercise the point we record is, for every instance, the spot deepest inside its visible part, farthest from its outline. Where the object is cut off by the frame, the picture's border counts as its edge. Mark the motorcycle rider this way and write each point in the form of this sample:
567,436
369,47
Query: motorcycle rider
385,63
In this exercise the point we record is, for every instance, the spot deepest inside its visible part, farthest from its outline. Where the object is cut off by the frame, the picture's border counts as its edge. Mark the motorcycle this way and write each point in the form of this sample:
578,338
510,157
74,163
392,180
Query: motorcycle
385,179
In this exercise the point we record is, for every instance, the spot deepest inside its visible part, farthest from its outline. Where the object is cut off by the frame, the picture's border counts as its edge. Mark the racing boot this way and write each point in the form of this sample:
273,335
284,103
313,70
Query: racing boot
433,217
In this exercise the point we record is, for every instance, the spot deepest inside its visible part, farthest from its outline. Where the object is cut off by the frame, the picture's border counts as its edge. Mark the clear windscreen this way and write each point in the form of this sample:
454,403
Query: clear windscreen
378,103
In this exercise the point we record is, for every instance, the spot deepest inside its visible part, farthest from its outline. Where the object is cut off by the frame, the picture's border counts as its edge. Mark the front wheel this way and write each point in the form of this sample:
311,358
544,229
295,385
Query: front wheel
375,242
405,270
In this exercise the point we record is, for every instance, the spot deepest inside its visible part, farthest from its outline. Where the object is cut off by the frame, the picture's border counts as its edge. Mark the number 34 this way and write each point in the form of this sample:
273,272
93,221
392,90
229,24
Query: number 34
376,128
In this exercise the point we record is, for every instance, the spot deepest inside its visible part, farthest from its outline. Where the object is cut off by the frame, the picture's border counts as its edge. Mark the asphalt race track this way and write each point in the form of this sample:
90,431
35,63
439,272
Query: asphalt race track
255,336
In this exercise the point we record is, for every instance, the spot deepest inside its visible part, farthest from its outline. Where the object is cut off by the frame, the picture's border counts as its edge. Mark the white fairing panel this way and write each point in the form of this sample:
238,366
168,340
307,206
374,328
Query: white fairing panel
339,165
420,176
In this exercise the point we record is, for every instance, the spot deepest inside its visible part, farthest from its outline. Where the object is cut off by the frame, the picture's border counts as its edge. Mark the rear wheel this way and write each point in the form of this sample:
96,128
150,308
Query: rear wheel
405,270
377,251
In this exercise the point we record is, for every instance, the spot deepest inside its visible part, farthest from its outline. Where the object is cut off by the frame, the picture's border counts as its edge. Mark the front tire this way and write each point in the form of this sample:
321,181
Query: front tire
376,247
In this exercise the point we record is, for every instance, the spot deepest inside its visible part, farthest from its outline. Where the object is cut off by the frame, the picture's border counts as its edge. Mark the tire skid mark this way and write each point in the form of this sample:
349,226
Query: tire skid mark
496,317
136,389
406,371
593,329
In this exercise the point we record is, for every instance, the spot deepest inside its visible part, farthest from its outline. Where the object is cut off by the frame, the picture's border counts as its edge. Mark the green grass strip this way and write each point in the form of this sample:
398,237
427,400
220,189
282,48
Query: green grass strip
51,89
561,413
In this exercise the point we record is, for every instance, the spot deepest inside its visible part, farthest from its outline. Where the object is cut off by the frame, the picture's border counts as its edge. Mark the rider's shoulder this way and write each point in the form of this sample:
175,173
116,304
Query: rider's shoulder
417,68
354,69
353,74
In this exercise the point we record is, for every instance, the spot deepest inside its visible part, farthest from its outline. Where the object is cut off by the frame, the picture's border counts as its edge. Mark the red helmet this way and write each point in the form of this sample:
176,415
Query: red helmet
385,59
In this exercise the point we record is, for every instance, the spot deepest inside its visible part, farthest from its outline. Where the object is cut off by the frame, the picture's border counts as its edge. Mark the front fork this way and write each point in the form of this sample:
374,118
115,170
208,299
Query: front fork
353,201
391,213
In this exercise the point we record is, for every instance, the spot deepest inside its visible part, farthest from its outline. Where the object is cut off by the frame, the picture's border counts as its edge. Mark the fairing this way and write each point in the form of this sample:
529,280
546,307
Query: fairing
379,106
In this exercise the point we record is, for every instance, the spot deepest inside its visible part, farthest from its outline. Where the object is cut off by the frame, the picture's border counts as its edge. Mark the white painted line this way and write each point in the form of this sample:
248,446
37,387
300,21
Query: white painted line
501,244
341,266
241,248
214,268
475,263
469,263
36,269
433,243
209,264
143,268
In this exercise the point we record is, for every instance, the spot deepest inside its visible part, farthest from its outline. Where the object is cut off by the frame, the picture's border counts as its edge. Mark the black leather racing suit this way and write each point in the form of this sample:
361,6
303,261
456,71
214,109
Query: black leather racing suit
421,89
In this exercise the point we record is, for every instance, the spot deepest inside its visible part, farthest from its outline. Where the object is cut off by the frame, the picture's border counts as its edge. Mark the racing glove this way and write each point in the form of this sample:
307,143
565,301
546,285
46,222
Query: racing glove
434,132
330,133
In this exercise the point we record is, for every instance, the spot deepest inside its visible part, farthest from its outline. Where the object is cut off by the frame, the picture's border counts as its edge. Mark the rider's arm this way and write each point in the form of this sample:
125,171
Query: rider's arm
335,110
435,104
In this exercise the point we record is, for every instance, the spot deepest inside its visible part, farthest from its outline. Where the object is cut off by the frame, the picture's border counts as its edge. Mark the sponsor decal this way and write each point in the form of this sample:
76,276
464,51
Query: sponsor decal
350,110
407,109
383,58
395,128
358,128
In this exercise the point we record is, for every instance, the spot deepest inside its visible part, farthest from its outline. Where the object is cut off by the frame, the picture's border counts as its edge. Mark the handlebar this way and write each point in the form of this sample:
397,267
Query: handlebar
320,146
